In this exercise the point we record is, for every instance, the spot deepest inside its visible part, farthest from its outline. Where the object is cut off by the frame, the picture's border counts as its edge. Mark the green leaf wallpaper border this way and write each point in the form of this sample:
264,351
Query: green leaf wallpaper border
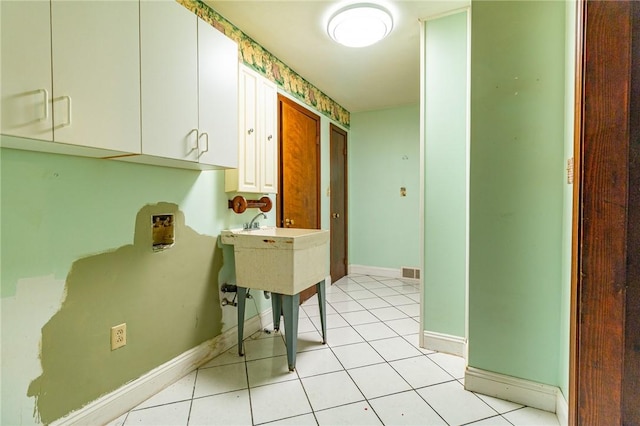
261,60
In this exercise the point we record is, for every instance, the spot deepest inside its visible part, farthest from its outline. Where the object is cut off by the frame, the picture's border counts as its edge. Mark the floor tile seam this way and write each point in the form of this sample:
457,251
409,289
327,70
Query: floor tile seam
349,291
307,396
283,418
431,406
398,359
522,408
246,376
259,385
219,365
124,421
474,394
435,384
370,322
150,407
340,405
390,319
220,393
193,392
482,419
373,340
403,303
366,340
368,400
400,392
343,405
347,370
444,369
417,347
346,312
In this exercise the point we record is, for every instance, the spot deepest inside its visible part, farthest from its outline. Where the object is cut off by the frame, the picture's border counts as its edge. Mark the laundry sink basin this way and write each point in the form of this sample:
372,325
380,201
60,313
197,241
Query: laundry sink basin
279,260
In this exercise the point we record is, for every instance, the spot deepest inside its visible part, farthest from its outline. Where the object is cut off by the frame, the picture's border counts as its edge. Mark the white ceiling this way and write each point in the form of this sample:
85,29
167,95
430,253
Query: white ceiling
360,79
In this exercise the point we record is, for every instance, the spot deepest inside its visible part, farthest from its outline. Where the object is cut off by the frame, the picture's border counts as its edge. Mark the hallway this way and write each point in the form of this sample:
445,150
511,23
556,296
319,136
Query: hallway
371,372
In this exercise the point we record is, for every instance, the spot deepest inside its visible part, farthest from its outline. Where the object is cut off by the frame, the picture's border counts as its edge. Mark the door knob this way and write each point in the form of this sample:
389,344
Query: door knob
335,215
288,222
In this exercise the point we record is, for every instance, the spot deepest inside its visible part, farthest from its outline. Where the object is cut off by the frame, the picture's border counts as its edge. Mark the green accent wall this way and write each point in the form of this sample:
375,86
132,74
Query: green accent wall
445,174
77,260
383,156
517,187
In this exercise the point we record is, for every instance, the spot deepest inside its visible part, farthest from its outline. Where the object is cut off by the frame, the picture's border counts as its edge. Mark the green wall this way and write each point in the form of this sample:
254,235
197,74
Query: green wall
77,259
445,174
383,156
516,187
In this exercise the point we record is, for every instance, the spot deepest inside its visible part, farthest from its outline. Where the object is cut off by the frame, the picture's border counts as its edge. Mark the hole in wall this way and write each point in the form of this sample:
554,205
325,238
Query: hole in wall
163,231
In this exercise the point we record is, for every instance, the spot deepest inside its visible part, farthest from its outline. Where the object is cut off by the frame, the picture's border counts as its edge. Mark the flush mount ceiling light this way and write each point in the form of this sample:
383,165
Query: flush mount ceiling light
360,25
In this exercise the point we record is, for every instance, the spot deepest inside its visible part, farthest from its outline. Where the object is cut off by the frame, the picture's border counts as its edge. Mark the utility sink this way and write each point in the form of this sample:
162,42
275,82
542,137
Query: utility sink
283,261
279,260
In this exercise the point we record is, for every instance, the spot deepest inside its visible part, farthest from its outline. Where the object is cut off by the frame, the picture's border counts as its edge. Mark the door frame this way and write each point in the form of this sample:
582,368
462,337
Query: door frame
604,364
345,193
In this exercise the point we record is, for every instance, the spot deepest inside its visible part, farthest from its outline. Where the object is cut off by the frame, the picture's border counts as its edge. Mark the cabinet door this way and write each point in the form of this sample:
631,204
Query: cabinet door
26,69
269,136
96,73
248,153
169,80
218,97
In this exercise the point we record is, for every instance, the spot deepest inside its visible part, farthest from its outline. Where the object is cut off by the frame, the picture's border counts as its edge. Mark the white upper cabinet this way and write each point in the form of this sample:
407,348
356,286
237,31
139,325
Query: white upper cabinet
257,170
70,74
189,87
26,69
218,97
96,82
143,81
269,135
169,78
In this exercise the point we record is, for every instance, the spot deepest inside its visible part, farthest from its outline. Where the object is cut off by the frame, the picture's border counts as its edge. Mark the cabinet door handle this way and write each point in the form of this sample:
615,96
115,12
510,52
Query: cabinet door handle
68,123
335,215
288,222
195,146
207,142
46,104
270,137
250,131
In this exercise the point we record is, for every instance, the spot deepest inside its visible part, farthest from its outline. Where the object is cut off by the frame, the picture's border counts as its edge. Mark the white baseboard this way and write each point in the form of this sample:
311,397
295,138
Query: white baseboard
374,270
454,345
562,409
123,399
521,391
379,272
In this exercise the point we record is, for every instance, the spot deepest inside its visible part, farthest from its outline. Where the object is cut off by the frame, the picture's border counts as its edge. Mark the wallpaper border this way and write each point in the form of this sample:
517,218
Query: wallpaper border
265,63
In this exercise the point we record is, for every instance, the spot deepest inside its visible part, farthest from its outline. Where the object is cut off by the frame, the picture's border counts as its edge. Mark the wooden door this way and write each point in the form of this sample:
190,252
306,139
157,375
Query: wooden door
338,197
605,313
298,203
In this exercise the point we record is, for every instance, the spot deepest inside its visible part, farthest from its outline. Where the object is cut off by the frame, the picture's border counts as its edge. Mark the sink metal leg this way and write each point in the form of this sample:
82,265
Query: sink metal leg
322,297
276,309
242,297
290,308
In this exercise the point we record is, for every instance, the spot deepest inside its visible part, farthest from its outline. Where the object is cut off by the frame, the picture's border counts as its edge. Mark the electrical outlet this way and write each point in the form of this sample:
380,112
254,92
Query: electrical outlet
118,336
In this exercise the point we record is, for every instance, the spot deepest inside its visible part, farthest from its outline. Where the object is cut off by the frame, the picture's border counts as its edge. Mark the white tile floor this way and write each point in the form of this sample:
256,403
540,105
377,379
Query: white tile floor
371,372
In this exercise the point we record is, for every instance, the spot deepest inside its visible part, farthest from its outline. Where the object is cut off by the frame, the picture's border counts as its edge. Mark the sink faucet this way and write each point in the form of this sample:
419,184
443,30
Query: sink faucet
252,225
